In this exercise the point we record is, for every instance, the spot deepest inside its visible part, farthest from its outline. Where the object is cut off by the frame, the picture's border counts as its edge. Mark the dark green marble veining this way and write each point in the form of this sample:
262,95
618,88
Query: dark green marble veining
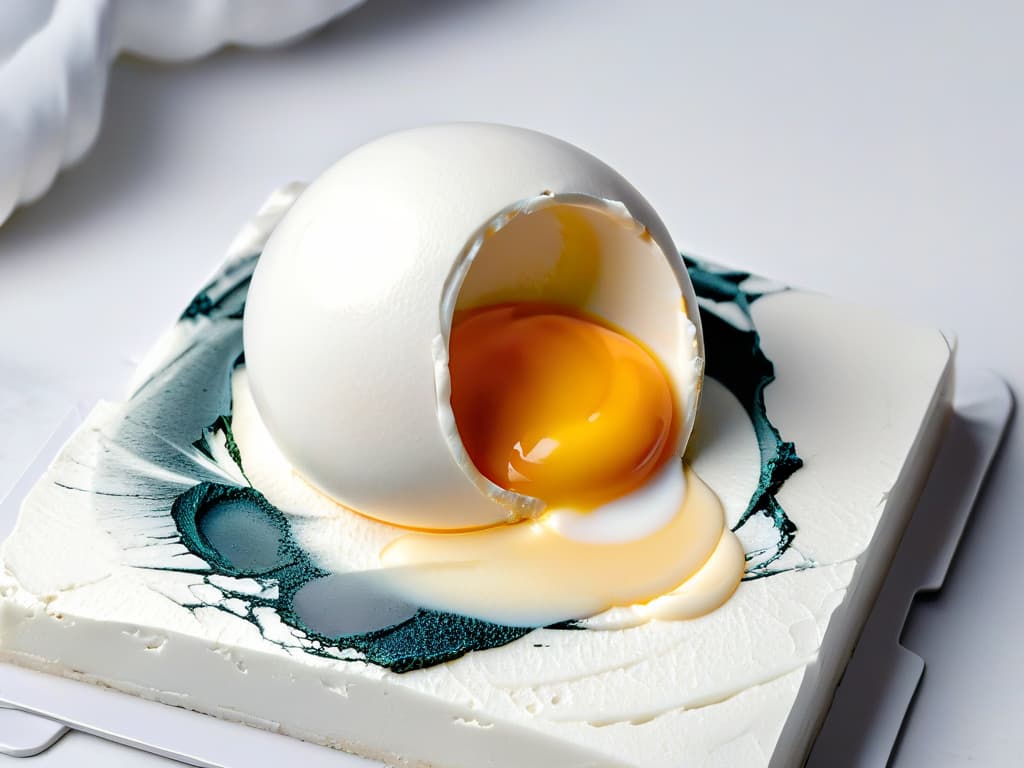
224,295
736,360
174,506
419,640
221,424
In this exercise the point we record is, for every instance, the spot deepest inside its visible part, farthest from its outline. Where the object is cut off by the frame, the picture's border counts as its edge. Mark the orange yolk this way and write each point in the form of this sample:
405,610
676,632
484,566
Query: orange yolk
552,404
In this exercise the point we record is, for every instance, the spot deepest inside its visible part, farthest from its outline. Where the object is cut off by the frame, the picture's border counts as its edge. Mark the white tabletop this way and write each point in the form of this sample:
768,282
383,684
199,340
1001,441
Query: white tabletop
874,154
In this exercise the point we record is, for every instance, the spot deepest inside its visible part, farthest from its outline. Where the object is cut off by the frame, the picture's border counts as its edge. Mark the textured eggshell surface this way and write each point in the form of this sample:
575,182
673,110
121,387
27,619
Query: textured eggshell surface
348,314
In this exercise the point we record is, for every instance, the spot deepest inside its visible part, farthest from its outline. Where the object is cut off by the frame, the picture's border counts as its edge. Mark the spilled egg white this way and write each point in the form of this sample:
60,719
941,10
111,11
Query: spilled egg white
350,309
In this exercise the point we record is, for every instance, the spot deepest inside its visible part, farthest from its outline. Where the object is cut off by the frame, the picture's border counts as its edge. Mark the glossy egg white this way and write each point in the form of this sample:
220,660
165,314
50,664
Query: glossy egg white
348,315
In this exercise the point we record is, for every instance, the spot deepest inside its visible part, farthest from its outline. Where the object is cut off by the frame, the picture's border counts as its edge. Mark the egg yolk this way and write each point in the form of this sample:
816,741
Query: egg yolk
553,404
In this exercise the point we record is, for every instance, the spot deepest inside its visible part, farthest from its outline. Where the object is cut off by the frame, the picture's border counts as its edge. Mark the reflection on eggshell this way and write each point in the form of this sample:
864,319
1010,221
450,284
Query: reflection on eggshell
350,309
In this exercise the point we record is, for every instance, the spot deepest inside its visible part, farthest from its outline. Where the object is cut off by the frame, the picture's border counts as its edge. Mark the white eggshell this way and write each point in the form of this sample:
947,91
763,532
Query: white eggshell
348,315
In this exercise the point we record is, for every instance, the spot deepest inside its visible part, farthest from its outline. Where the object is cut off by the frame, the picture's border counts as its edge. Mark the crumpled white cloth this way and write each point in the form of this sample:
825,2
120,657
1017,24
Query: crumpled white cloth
55,56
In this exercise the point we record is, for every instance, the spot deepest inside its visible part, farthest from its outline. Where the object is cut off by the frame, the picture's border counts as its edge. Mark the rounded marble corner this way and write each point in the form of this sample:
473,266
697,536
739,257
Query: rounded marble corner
55,57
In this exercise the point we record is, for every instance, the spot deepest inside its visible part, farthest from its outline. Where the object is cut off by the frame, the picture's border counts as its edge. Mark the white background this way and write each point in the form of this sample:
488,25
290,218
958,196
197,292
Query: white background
874,151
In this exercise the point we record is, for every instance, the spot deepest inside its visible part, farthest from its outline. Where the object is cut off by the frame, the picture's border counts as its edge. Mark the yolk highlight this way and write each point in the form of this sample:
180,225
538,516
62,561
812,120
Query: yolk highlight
553,404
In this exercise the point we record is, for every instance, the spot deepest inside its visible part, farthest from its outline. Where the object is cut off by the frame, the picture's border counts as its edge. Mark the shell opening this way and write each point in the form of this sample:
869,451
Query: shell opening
588,255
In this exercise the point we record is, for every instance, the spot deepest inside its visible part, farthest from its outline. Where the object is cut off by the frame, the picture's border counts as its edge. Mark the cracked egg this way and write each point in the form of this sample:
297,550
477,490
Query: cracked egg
484,337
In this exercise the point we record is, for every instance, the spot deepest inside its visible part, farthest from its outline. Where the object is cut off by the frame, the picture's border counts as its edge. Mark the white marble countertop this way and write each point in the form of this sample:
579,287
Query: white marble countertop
873,153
